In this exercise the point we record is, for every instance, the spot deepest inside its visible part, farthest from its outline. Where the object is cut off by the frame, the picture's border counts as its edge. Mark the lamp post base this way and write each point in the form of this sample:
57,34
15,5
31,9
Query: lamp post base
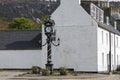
110,73
49,66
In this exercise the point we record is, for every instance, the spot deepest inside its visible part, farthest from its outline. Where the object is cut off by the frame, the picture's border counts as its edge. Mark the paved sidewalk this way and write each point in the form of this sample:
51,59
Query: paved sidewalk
5,75
80,77
64,78
13,75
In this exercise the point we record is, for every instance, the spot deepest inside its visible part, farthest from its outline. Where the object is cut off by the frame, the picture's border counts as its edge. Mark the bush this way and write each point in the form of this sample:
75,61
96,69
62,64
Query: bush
118,68
21,24
36,70
63,71
45,72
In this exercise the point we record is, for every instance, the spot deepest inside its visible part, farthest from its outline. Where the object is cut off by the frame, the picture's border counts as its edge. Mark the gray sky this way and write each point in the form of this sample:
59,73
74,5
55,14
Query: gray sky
114,0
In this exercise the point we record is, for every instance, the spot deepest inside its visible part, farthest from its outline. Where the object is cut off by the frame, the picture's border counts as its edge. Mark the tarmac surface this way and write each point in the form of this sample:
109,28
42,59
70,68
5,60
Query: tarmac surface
14,75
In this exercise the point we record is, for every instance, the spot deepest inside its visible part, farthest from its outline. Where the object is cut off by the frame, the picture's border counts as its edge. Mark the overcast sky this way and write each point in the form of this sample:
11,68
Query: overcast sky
114,0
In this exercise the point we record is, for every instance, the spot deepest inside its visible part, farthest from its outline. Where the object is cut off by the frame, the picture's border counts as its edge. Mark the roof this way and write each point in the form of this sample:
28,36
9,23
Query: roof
109,28
26,8
20,40
116,16
102,25
115,4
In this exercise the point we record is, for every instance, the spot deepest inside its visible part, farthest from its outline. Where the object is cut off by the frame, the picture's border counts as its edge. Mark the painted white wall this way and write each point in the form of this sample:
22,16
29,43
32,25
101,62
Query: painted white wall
70,13
77,49
21,59
117,46
104,47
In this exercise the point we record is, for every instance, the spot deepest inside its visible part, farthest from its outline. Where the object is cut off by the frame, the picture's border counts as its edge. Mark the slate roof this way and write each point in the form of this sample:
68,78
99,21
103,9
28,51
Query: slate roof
108,27
115,4
33,9
20,40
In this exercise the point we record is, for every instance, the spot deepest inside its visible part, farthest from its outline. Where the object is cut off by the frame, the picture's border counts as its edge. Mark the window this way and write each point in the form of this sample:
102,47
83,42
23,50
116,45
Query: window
117,59
93,11
117,41
103,59
107,38
102,37
96,12
112,40
101,16
112,61
107,59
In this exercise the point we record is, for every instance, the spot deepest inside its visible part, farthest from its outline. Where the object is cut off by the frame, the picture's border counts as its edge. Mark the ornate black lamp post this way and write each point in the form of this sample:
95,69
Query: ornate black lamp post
49,30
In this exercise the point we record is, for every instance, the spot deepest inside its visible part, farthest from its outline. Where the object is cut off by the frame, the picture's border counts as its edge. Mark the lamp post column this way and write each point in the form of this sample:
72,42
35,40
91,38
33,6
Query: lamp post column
49,25
49,64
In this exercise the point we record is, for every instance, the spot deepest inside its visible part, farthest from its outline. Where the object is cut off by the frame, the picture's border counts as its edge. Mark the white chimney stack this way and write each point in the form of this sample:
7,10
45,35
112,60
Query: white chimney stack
107,20
115,24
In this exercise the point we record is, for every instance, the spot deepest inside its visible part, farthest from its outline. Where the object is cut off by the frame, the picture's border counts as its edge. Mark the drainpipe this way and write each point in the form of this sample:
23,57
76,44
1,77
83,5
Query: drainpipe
109,67
115,26
114,54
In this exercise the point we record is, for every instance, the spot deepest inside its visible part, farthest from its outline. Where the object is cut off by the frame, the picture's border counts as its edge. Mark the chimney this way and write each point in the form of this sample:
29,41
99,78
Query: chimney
115,24
108,4
107,20
99,2
79,1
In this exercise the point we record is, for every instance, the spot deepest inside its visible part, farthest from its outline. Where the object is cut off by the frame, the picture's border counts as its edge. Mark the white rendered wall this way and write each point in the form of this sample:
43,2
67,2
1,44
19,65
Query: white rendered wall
21,59
117,46
70,13
77,49
104,47
78,33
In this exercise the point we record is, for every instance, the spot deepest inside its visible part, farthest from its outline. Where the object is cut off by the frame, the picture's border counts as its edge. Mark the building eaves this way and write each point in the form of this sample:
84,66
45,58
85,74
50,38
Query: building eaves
108,27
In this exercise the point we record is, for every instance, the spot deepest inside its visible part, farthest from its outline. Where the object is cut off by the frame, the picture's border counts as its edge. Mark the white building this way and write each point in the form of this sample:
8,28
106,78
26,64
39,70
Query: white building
85,42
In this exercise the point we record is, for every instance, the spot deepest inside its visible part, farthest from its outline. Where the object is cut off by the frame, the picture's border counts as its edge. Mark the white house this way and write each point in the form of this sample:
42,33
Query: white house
78,37
105,44
85,41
